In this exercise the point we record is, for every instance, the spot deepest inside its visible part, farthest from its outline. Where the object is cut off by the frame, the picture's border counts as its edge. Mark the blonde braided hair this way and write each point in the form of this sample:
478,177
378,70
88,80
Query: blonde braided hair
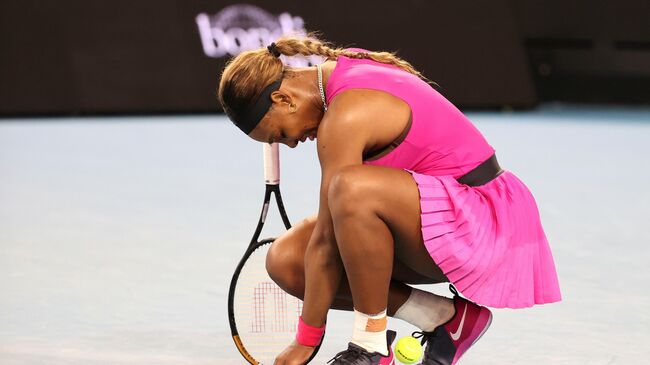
291,46
246,75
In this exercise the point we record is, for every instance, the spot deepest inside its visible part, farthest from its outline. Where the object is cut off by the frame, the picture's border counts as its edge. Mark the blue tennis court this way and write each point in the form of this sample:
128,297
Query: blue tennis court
118,236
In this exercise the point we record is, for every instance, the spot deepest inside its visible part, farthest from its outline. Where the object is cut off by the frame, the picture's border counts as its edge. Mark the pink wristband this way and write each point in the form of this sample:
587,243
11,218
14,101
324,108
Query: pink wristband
308,335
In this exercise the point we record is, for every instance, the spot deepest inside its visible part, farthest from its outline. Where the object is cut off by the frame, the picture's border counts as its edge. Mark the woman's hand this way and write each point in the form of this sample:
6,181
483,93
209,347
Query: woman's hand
294,354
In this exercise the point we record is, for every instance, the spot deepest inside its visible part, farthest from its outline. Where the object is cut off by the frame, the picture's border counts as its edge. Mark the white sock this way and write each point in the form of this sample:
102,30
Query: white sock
422,309
370,332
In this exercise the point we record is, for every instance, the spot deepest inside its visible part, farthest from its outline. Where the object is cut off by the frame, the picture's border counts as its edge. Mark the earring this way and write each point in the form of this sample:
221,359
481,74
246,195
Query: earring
292,108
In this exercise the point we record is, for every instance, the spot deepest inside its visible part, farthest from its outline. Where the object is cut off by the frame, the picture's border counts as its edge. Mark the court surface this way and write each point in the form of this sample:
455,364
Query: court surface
118,236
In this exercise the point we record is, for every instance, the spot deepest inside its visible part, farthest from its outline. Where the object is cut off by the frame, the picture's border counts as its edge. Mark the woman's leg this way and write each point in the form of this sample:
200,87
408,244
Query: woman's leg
285,261
376,215
286,265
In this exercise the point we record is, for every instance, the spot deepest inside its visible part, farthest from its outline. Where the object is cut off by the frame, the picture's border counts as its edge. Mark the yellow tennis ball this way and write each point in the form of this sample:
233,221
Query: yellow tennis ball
408,350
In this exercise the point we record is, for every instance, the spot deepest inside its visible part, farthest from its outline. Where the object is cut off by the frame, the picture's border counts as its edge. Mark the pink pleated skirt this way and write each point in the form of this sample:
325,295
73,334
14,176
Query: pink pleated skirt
488,240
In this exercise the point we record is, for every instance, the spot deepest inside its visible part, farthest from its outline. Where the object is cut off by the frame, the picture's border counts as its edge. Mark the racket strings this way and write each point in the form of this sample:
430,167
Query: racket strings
265,315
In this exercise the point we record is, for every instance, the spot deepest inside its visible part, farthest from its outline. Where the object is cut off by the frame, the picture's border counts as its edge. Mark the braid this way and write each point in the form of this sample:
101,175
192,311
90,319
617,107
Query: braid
310,45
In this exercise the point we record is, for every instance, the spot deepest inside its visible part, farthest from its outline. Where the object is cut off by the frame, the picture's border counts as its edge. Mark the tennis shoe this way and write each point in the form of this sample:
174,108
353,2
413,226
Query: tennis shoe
448,342
357,355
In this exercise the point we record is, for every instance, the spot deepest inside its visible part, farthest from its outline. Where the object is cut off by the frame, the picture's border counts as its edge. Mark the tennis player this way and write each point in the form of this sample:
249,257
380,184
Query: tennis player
411,193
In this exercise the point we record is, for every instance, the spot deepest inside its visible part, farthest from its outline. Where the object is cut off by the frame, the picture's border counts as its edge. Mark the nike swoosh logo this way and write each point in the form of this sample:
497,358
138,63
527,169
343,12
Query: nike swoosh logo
456,336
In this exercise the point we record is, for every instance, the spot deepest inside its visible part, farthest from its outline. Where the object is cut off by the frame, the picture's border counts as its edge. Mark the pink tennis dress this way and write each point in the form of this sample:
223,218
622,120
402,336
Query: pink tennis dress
487,239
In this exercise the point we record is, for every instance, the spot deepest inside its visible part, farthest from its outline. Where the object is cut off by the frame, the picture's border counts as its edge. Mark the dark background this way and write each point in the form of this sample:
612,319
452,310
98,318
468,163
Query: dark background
145,56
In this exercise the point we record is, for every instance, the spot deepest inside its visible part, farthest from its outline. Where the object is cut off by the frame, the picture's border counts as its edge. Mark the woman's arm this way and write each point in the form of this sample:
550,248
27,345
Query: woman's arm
341,141
355,121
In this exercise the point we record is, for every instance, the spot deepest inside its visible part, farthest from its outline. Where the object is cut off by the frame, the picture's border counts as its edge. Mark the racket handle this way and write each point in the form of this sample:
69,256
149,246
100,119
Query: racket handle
271,164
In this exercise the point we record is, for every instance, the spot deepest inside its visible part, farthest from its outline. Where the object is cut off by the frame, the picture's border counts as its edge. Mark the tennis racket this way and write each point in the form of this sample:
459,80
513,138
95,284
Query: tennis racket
263,317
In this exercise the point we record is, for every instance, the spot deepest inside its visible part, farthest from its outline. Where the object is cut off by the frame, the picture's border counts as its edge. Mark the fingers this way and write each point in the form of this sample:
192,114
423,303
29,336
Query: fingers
294,354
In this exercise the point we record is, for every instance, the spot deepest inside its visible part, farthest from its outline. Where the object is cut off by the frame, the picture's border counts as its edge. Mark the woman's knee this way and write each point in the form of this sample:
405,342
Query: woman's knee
348,190
286,257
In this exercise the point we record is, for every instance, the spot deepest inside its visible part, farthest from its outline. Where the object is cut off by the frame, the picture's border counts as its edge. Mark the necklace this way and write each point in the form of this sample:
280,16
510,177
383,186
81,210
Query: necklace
320,86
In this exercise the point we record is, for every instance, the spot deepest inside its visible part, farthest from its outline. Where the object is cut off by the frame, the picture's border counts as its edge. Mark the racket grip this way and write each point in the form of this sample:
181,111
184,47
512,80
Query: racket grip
271,164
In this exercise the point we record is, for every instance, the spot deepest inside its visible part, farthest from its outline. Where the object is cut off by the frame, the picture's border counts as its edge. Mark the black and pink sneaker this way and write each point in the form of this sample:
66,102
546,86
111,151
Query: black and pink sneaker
449,341
356,355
